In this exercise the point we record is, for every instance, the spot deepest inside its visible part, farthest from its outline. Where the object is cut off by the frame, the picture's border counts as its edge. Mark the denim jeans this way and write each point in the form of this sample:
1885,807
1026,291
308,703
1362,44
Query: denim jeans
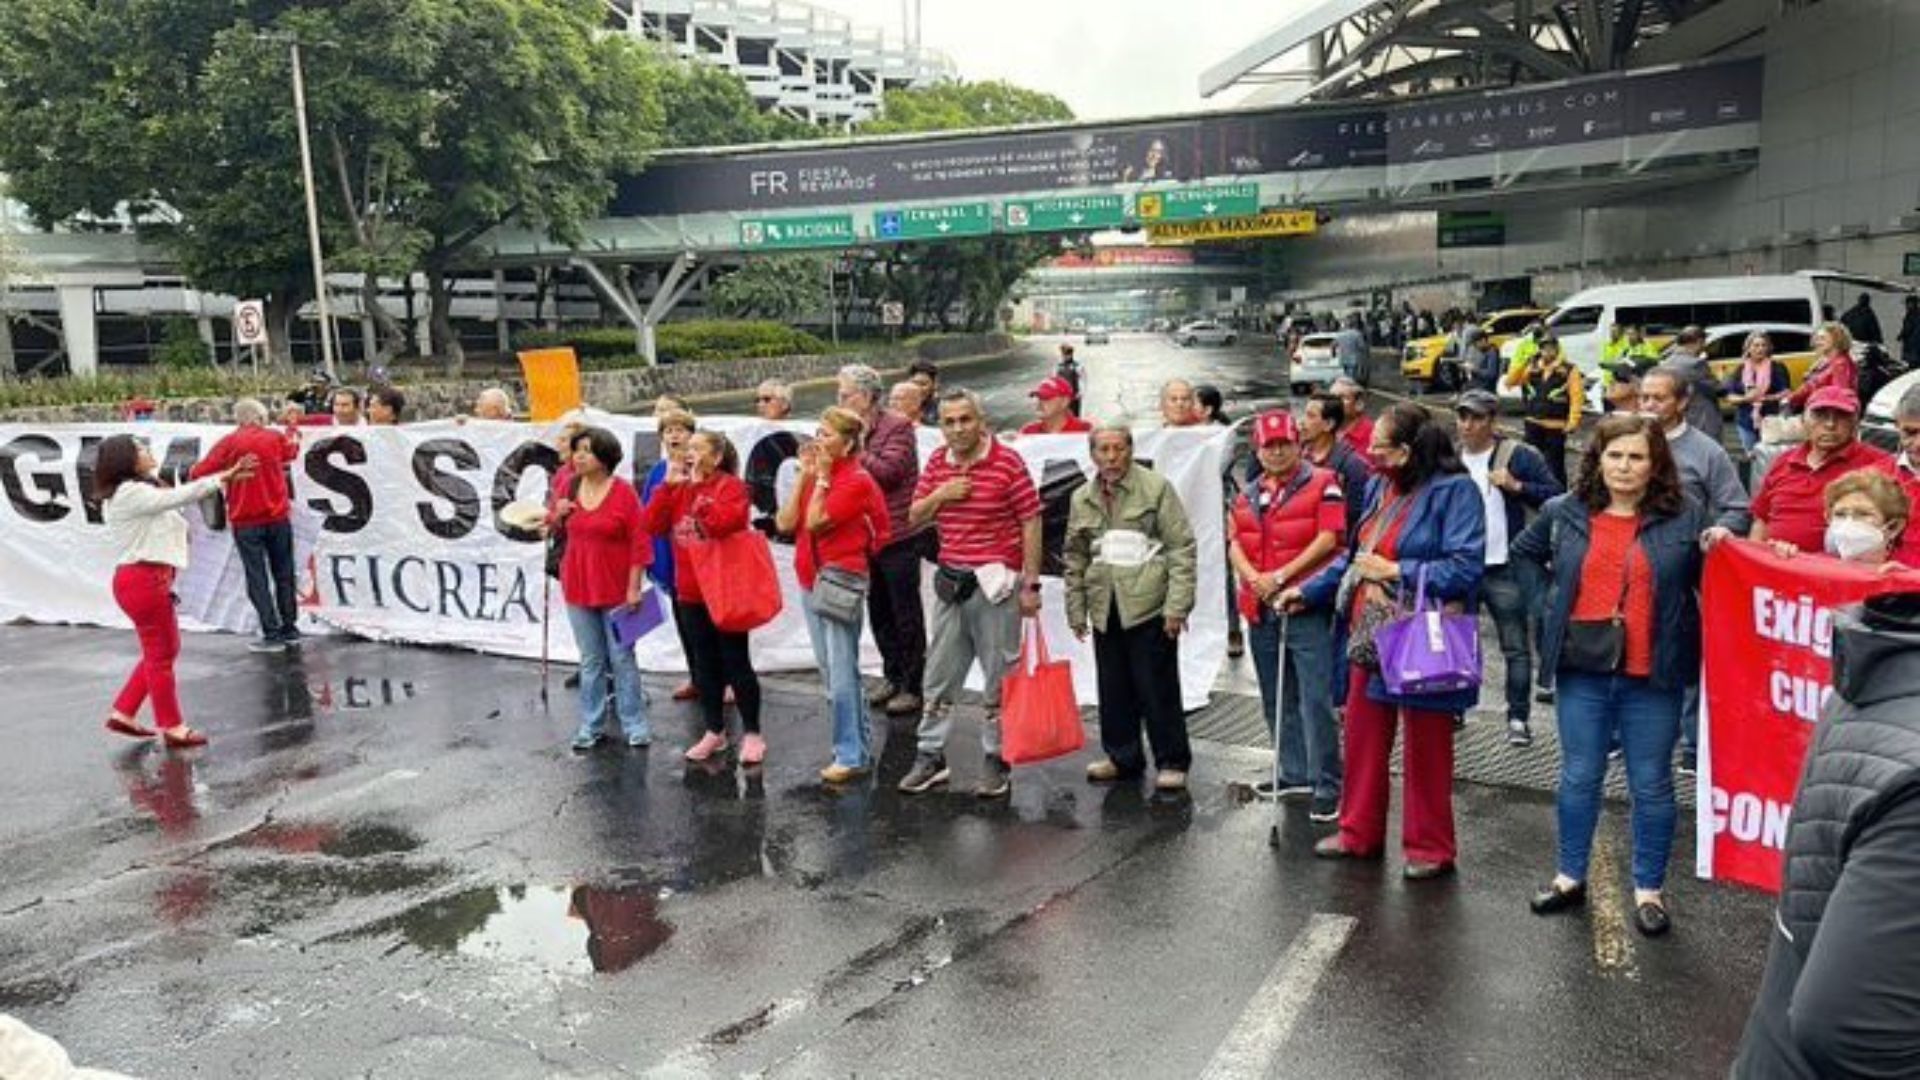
836,648
1504,591
1591,709
1309,734
593,633
266,555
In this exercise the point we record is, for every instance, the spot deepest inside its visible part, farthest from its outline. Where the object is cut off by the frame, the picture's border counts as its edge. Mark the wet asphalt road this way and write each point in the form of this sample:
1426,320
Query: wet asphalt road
388,864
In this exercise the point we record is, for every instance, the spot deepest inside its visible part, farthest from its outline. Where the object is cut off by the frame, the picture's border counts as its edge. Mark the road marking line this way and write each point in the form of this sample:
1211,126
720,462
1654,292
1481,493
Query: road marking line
1251,1048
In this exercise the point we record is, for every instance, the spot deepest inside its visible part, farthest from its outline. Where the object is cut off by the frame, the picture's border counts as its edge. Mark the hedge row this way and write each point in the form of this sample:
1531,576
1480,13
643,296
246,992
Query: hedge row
153,384
715,340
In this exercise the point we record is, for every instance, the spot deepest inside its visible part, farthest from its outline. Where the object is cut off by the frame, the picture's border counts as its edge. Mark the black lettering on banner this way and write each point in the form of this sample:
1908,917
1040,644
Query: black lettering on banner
447,486
517,597
1058,481
83,472
339,565
322,470
485,589
400,584
506,484
50,486
177,467
762,471
450,599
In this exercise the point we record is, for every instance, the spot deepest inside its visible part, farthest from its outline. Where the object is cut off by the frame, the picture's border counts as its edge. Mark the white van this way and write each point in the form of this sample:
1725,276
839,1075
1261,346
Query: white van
1662,308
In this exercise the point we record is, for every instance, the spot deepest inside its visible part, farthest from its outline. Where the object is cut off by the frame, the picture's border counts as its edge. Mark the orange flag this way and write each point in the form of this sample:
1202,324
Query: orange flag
553,382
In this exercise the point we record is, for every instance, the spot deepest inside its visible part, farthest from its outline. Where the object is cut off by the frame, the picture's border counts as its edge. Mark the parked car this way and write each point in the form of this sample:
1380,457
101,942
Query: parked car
1420,362
1313,365
1204,332
1098,335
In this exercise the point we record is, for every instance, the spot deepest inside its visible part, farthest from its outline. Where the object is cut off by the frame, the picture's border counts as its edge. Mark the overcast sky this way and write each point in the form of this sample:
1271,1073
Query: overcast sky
1106,58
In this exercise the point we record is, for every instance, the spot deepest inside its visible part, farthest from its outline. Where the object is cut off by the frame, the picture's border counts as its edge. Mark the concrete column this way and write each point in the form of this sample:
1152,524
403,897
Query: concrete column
76,321
500,310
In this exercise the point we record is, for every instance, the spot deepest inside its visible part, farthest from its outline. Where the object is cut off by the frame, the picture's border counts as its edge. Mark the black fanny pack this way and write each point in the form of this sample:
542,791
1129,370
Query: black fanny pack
954,585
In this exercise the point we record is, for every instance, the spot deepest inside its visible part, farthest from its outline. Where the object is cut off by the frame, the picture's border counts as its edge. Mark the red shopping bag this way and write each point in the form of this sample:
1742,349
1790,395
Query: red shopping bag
737,580
1039,717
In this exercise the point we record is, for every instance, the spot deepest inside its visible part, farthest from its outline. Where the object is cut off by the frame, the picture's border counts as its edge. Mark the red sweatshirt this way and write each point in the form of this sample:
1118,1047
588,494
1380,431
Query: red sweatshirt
604,546
857,523
261,499
692,512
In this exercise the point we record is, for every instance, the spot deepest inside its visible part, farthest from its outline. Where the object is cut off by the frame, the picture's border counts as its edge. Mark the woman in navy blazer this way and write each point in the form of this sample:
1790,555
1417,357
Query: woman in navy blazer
1424,518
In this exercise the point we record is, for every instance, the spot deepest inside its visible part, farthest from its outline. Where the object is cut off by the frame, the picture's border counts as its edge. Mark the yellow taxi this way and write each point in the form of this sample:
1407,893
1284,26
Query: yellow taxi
1421,360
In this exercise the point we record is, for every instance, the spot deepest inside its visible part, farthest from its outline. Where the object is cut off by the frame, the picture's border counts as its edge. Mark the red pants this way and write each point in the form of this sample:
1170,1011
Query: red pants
1426,827
145,592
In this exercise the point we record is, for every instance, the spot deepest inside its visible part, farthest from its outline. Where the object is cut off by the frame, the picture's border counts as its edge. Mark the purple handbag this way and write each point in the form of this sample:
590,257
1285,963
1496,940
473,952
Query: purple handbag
1429,651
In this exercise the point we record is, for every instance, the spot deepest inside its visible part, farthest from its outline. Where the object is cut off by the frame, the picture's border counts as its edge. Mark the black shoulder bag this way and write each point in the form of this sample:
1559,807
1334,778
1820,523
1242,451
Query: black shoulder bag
1599,646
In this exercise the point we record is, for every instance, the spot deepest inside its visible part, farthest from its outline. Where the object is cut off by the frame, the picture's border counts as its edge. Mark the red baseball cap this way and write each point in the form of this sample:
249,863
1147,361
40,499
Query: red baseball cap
1053,386
1837,398
1275,426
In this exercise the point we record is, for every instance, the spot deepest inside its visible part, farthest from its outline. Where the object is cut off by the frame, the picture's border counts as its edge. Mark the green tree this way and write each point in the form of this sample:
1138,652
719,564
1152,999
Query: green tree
711,107
955,106
778,287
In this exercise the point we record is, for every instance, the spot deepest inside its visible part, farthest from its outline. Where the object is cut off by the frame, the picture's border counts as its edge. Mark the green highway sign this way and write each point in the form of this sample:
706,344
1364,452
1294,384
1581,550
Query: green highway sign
1066,213
1198,203
933,222
817,230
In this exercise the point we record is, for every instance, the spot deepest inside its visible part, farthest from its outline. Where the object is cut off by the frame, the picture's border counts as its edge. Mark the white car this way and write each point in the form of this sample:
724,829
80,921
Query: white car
1098,335
1204,332
1313,366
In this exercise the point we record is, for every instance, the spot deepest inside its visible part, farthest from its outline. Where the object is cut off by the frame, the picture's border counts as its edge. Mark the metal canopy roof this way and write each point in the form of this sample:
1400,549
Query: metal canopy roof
1347,49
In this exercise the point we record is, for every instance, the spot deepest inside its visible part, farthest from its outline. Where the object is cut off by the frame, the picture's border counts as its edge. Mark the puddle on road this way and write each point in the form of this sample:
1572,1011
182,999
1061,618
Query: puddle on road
571,930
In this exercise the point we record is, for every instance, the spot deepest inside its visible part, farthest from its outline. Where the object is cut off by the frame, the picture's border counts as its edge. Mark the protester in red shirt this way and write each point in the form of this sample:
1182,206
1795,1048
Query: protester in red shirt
1357,431
1051,403
1833,366
602,577
701,499
1288,526
838,519
1791,505
980,493
1621,634
259,511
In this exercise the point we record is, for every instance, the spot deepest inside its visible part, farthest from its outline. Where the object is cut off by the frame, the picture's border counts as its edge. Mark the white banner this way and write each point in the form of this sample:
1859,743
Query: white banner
399,538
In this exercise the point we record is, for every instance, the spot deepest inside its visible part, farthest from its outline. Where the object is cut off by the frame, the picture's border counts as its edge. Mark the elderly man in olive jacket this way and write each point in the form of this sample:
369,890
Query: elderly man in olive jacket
1130,580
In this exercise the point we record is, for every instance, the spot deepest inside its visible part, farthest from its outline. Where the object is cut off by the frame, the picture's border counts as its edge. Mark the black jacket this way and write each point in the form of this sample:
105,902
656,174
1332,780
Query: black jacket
1557,542
1840,997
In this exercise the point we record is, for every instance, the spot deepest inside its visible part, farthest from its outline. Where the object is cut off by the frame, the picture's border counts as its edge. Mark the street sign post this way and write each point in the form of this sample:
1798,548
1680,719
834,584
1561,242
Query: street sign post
1197,203
789,233
933,222
1066,213
1271,223
893,313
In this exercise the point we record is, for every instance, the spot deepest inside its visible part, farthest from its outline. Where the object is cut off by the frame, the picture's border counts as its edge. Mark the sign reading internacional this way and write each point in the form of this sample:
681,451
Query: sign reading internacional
1066,213
1271,223
1198,203
818,230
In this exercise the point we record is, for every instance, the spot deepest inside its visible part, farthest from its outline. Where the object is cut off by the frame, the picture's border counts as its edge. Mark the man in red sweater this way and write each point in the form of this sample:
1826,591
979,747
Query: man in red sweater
259,512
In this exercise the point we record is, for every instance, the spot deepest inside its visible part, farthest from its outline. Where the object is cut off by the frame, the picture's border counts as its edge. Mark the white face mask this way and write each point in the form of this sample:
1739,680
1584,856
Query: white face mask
1855,541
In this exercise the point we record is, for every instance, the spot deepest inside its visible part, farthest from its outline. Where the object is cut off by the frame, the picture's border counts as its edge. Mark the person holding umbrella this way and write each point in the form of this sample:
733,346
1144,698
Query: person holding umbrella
1285,527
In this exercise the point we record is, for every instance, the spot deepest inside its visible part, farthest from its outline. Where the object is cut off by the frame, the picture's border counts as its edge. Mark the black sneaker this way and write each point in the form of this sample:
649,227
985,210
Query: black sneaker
1689,763
1544,695
996,779
1236,644
1324,810
1519,734
928,770
292,638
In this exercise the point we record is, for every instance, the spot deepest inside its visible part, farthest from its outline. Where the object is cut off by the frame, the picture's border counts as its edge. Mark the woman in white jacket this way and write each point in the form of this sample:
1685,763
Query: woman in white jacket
150,535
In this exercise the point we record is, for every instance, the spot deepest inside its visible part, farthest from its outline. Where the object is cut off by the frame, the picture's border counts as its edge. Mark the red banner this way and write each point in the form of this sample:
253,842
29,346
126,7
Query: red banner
1767,675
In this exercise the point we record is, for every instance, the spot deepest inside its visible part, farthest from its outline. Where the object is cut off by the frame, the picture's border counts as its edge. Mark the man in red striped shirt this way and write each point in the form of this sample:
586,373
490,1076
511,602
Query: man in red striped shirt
980,494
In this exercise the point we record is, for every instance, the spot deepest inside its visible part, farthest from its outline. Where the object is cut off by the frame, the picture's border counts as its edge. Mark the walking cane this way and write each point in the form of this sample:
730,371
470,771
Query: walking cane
546,620
1279,696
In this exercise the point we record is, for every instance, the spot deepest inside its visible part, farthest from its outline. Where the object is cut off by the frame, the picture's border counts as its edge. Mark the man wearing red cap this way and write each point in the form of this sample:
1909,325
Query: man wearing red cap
1286,527
1052,402
1791,505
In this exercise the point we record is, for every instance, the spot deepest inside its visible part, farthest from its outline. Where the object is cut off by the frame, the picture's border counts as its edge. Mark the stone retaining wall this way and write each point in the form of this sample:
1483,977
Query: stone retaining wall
615,391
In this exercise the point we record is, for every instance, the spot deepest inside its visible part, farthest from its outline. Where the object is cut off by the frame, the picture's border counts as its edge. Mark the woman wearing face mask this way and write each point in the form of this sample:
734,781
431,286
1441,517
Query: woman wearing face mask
1867,514
1621,631
150,535
1424,517
702,498
675,426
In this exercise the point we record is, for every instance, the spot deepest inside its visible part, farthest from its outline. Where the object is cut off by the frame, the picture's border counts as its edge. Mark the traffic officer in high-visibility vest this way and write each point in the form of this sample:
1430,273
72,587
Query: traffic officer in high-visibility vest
1524,349
1552,390
1625,357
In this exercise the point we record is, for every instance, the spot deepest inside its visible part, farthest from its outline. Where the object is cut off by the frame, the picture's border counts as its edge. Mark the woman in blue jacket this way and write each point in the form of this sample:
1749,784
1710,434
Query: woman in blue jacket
1424,519
1622,634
